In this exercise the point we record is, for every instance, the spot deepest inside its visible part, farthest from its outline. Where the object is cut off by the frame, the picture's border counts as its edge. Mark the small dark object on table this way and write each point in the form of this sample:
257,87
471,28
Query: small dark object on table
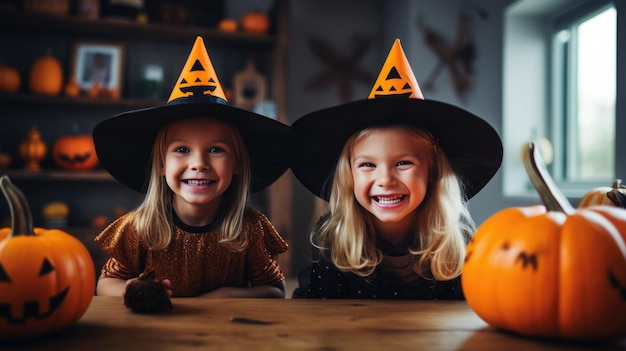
147,295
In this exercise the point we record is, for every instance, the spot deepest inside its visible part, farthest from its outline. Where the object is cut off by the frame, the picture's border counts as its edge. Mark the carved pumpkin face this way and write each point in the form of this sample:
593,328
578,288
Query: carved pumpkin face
548,274
75,152
47,277
46,282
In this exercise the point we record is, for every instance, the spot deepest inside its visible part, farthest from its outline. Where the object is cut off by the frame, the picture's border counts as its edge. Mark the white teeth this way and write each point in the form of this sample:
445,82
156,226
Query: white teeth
389,200
198,182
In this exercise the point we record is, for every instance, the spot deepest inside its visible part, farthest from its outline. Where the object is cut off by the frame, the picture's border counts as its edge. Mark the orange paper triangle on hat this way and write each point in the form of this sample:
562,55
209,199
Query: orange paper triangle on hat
198,77
396,78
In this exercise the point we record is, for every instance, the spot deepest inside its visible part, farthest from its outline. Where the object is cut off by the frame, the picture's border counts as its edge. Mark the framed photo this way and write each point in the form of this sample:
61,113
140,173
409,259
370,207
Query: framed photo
98,62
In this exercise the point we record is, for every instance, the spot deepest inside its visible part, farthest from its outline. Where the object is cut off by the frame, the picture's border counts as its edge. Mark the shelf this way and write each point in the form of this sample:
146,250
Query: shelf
25,99
58,175
50,24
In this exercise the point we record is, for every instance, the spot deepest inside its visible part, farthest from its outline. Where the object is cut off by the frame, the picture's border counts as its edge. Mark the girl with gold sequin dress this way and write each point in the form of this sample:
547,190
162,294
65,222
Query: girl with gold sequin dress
197,158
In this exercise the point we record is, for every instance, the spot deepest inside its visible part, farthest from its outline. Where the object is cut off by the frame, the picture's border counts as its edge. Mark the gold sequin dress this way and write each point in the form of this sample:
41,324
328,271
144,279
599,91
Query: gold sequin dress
194,261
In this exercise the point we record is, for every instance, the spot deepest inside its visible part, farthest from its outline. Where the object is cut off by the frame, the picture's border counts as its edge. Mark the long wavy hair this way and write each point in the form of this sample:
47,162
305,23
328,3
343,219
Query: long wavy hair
443,226
153,218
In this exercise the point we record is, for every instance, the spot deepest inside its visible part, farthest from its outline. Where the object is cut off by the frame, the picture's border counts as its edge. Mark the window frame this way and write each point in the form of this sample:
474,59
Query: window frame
526,93
564,100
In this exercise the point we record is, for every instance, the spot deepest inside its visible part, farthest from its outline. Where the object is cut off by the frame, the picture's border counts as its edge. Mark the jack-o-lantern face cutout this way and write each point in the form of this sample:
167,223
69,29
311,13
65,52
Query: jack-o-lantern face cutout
390,83
545,272
47,276
75,152
198,78
17,312
396,78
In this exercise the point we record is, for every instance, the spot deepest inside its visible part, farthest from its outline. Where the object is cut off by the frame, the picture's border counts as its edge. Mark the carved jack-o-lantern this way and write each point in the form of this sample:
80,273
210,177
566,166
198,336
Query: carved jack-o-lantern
75,152
47,277
550,271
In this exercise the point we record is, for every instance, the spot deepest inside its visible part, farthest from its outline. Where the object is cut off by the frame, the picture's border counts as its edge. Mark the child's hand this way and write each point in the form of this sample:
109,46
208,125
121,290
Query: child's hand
167,285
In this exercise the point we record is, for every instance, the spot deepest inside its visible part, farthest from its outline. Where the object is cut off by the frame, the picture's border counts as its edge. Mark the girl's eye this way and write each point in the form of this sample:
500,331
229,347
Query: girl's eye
216,149
404,163
367,164
181,149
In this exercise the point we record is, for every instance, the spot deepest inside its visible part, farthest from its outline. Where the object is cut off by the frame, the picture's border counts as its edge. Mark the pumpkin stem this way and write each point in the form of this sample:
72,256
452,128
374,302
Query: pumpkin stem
617,197
21,217
550,195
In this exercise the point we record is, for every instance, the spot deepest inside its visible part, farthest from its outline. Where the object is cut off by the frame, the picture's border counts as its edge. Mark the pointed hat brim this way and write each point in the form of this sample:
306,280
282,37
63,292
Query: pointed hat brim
472,146
124,142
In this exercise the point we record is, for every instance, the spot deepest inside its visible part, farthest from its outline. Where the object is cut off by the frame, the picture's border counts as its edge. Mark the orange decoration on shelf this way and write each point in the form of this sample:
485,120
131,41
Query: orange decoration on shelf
46,75
228,25
33,149
255,22
10,79
75,152
72,89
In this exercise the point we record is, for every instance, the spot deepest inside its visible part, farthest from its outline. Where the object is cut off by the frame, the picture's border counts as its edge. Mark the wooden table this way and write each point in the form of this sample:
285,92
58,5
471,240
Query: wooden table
204,324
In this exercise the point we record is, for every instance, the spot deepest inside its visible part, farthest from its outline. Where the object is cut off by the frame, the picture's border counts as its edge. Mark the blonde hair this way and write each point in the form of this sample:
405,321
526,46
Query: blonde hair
441,232
153,218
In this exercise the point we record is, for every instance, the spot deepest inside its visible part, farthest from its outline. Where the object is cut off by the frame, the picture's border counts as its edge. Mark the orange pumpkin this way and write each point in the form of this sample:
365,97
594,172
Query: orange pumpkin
47,276
228,25
611,196
72,89
550,271
255,22
10,79
46,76
75,152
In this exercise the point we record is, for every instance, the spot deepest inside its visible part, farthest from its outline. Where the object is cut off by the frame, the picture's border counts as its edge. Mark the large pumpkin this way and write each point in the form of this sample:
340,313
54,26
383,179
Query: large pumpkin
47,276
75,152
46,75
550,271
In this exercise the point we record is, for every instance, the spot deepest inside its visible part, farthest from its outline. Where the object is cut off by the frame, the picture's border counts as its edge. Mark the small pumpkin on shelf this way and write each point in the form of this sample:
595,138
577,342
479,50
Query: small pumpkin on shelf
10,79
72,89
75,152
46,75
550,271
47,276
255,22
228,25
5,159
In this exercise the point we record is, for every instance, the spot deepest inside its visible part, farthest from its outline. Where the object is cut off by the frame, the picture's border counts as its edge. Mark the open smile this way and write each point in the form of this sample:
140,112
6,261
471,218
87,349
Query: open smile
198,182
389,200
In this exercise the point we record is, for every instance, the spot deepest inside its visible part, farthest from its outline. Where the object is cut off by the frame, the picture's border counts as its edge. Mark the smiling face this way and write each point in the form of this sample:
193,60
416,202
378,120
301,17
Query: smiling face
390,174
199,165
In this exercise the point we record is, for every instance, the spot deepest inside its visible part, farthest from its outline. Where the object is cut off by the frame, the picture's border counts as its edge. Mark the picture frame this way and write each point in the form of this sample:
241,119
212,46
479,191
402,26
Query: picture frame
98,62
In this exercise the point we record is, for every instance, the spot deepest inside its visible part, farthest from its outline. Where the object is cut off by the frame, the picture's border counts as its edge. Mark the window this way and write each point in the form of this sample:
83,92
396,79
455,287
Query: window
559,90
584,94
